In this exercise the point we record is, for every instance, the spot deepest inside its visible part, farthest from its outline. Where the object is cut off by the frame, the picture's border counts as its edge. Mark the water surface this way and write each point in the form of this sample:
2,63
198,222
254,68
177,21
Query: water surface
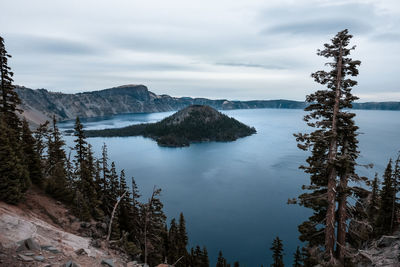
234,194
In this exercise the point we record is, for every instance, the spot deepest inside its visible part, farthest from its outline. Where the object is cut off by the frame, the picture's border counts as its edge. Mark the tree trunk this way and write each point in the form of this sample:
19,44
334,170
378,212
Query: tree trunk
330,213
342,212
112,216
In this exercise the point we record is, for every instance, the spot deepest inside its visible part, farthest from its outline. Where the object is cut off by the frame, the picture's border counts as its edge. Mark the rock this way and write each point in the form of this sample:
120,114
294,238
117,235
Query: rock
386,241
133,264
52,257
102,226
39,258
32,244
52,249
85,225
108,262
29,254
95,243
80,251
70,263
22,247
24,258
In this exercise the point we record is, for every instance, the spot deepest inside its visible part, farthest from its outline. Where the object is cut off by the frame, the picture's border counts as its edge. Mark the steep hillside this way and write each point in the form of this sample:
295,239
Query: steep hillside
40,104
196,123
52,235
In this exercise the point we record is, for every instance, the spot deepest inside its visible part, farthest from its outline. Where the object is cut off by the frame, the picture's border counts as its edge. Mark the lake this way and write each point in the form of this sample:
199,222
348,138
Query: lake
233,195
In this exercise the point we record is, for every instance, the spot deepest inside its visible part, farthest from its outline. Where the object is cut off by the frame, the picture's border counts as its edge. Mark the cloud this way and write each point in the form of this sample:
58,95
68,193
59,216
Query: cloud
320,27
251,65
244,49
50,45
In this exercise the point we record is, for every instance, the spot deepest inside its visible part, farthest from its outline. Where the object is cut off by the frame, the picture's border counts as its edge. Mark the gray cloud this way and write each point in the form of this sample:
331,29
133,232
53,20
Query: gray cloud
251,65
320,27
244,49
49,45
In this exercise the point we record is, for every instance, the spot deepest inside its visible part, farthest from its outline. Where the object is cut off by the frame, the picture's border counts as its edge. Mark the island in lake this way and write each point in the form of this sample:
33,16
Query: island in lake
196,123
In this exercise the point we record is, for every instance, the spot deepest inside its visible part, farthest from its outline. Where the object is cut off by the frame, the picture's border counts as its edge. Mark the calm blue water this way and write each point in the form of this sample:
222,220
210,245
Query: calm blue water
234,195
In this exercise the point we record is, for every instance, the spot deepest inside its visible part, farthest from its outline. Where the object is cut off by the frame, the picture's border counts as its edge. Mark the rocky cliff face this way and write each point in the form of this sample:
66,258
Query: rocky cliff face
41,104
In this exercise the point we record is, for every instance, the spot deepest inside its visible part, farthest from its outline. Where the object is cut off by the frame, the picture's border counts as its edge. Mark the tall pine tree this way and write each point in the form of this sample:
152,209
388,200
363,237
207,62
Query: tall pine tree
277,253
334,149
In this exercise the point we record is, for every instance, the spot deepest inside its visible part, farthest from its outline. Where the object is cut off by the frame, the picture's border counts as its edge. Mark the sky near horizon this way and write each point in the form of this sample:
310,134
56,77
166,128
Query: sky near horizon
242,49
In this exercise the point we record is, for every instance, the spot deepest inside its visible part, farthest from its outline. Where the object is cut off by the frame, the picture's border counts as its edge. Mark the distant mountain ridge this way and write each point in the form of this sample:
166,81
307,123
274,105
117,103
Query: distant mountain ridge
41,104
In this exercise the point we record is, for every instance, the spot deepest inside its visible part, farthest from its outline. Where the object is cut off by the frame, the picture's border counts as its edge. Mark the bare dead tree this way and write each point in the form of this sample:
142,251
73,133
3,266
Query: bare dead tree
112,215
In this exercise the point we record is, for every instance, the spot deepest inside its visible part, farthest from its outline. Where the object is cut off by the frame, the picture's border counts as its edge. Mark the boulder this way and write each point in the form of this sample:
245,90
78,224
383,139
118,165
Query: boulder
70,263
51,249
39,258
28,244
32,244
107,262
24,258
80,251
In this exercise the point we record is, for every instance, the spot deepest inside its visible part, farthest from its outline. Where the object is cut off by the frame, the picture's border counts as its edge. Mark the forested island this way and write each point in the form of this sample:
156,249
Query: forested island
196,123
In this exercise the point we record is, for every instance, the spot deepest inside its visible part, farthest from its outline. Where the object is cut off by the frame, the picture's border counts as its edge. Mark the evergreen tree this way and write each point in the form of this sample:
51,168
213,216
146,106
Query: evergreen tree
125,209
205,261
277,253
41,135
13,174
13,170
80,144
9,99
236,264
221,261
373,207
57,184
298,260
384,220
153,221
334,149
105,199
31,156
182,241
173,239
396,188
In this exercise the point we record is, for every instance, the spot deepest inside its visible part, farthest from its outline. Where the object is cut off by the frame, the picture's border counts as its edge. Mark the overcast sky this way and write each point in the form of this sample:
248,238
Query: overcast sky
234,49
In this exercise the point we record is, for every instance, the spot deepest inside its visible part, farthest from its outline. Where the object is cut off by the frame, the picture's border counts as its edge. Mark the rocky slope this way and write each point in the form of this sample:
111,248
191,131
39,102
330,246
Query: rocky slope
42,232
41,104
196,123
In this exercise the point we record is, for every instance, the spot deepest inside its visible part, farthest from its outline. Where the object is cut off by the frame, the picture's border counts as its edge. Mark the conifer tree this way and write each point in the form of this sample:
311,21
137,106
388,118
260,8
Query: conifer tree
384,220
173,239
221,261
153,221
334,149
18,178
31,156
396,188
105,185
205,260
182,241
125,209
41,135
57,184
297,262
373,207
277,253
9,99
13,174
